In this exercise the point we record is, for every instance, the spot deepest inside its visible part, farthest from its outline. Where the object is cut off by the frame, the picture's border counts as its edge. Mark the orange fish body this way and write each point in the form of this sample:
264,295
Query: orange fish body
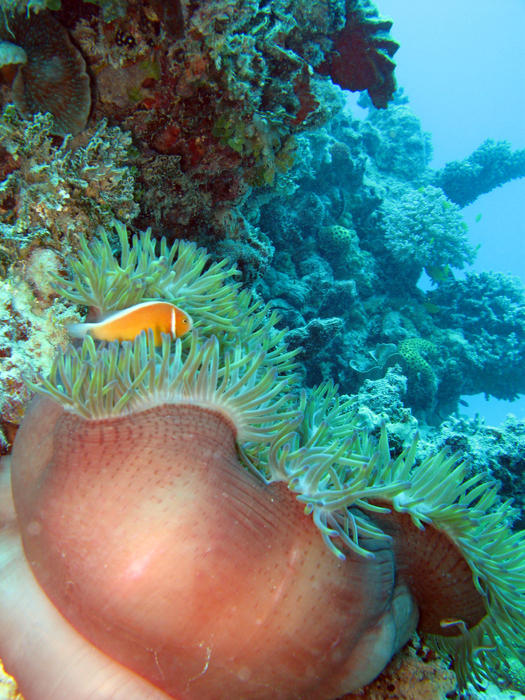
159,316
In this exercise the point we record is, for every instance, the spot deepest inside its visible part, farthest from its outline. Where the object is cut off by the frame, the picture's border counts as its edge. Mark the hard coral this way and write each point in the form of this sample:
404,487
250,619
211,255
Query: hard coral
482,320
175,503
395,140
498,451
398,681
416,355
216,102
348,175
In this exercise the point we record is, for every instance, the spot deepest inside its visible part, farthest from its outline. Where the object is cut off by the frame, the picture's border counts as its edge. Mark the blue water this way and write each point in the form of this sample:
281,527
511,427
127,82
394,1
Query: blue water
462,65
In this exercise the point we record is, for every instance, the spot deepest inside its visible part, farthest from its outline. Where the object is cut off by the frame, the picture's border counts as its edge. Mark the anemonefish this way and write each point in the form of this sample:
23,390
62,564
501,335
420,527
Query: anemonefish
126,324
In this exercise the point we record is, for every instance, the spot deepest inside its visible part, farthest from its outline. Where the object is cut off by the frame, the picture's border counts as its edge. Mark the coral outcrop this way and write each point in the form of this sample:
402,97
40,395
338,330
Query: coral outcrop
491,165
496,451
482,321
214,94
424,230
221,123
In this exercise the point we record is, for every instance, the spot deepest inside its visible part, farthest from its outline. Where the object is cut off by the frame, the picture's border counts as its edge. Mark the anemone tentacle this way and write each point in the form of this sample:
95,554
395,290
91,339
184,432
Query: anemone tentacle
344,478
122,378
237,364
181,274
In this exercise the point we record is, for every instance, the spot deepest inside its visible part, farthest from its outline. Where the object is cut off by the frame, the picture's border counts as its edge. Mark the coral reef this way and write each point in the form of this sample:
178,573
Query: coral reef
417,356
355,224
407,151
496,451
381,401
424,230
434,678
222,123
481,320
214,95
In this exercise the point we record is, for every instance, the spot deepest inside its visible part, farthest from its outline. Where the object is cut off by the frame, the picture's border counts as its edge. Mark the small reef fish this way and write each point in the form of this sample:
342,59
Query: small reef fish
126,324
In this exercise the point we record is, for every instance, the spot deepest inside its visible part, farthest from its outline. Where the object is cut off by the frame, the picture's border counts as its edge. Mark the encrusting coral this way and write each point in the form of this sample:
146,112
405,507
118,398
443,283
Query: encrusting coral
210,525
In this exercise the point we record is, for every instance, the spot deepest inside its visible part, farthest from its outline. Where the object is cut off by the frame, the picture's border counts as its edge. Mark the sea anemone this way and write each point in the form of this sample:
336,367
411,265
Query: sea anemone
211,526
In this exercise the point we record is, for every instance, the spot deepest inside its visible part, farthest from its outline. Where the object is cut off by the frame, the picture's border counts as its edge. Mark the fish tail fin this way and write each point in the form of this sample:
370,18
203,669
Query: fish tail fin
79,330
